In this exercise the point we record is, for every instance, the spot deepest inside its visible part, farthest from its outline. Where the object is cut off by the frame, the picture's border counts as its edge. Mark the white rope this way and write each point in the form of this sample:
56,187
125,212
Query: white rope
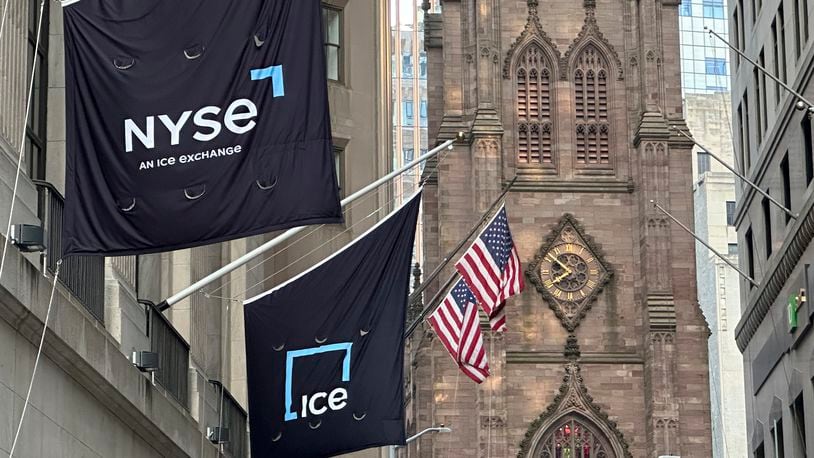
491,395
395,198
36,361
454,402
212,292
3,21
22,140
324,244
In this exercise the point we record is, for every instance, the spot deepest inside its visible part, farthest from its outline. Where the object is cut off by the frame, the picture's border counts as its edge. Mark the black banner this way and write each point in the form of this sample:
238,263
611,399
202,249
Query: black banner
194,121
325,351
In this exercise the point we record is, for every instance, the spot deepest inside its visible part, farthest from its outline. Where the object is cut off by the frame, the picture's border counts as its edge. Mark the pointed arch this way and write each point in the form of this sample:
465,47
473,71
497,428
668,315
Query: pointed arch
591,70
591,36
534,105
573,406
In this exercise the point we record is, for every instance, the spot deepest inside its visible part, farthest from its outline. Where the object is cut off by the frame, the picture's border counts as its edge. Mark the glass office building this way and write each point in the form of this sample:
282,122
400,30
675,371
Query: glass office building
704,58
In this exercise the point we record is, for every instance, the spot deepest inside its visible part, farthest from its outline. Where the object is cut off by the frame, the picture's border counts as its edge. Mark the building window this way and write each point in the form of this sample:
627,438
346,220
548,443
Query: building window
534,108
763,118
703,162
332,27
786,179
743,115
407,66
797,24
339,163
423,109
732,249
736,36
798,416
422,65
686,8
777,438
35,131
760,451
750,255
808,150
781,27
408,155
591,91
730,213
767,223
408,113
759,121
715,66
714,9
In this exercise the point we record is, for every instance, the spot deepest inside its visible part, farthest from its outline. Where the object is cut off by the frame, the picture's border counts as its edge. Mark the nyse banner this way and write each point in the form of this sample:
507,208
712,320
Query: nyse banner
324,352
194,121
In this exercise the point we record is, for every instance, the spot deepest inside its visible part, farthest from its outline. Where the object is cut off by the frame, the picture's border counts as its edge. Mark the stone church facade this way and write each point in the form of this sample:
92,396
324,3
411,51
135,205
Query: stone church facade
605,354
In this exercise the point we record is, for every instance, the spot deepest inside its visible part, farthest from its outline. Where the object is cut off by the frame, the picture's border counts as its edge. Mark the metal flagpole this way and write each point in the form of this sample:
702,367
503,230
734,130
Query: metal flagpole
809,107
188,291
431,303
420,289
727,261
745,180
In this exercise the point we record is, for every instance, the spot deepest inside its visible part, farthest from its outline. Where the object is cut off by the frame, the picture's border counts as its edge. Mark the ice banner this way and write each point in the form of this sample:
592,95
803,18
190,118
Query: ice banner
325,351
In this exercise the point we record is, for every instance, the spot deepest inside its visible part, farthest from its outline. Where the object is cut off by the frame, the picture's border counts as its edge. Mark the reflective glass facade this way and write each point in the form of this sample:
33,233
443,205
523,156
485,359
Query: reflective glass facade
409,87
704,58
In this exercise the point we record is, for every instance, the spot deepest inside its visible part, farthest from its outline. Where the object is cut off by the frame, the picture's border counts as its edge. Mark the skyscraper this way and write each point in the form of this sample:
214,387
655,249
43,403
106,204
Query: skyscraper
705,72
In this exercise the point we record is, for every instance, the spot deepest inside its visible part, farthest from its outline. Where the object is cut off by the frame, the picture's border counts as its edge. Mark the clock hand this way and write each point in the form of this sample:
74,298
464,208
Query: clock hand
564,274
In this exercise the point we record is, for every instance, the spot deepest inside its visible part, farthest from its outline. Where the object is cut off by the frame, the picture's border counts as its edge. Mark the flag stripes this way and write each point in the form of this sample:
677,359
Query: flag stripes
457,325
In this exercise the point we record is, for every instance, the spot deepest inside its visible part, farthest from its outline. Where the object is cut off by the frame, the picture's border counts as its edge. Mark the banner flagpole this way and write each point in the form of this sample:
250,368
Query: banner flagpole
188,291
420,289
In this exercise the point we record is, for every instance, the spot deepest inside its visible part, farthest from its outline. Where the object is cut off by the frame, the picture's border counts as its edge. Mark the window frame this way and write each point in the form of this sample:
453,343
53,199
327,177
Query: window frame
591,116
339,8
731,207
785,179
767,224
37,138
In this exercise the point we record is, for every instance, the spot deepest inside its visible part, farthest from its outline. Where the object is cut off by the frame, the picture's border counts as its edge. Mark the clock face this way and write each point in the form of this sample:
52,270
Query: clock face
569,272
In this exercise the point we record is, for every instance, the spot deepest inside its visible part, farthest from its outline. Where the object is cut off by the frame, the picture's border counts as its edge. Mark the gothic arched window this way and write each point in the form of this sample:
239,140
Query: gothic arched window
571,437
591,104
534,108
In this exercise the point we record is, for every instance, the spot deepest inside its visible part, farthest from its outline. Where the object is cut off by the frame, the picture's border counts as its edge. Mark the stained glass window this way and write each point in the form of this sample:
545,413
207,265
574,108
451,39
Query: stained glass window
573,438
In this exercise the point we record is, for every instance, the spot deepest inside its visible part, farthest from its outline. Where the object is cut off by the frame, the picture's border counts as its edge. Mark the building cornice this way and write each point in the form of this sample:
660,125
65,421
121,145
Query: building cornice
761,299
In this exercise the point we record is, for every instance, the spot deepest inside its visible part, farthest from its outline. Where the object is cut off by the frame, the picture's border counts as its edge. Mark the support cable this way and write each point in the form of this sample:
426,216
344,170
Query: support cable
36,361
212,293
3,20
22,140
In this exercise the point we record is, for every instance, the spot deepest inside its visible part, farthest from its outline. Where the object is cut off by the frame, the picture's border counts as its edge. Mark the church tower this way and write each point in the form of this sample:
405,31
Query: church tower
605,351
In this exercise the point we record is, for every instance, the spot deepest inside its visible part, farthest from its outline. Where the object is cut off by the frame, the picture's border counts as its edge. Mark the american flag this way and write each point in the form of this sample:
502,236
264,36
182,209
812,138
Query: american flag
457,325
491,268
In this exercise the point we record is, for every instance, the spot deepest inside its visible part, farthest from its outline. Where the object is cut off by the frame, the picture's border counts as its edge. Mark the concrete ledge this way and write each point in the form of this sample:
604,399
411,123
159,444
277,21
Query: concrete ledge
557,357
84,350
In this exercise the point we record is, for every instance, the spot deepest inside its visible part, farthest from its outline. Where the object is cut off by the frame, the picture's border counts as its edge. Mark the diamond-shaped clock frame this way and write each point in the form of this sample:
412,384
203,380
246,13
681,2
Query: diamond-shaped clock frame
569,231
